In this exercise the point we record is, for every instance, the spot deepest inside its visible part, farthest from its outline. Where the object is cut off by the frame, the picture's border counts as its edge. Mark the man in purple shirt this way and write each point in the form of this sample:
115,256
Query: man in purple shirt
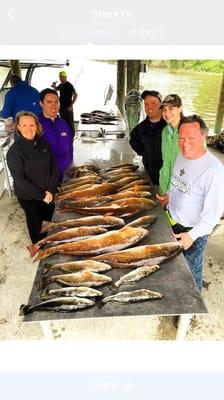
56,131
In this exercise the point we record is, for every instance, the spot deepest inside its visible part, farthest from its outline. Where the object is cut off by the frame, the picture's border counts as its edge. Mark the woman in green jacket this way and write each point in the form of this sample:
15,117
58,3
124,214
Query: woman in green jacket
172,113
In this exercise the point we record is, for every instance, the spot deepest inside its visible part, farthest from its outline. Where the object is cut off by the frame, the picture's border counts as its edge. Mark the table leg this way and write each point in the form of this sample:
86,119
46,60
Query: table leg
2,158
183,325
46,328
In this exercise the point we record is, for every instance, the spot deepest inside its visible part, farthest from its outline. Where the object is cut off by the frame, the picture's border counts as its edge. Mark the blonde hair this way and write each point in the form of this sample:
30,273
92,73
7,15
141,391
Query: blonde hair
29,114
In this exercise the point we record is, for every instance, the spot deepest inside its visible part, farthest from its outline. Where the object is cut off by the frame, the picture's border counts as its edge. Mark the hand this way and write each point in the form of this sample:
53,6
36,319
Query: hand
48,197
163,200
184,239
69,108
54,85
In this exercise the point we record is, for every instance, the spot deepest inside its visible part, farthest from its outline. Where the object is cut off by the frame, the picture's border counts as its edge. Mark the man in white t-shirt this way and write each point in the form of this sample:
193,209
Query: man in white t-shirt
195,202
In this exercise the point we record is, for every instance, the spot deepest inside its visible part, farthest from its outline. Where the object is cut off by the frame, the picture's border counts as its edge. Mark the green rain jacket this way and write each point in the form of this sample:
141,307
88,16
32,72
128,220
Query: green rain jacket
170,150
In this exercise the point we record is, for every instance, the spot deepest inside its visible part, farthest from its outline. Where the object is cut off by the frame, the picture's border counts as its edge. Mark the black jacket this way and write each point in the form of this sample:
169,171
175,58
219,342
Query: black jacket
146,140
32,167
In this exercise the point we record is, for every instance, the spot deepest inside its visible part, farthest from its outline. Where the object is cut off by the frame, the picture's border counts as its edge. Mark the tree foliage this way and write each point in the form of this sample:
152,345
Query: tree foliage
194,65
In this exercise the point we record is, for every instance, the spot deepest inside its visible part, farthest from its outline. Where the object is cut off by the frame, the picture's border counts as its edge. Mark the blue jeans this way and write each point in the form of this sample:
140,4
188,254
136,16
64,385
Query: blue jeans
194,256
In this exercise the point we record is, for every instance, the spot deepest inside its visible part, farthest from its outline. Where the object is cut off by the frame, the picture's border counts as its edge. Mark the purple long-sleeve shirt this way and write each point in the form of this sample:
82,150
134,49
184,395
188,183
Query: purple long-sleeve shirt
59,136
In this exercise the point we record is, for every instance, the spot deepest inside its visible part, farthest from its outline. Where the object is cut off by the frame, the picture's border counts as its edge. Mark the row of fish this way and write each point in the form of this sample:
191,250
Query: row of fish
102,243
119,194
95,184
68,298
75,281
92,279
74,303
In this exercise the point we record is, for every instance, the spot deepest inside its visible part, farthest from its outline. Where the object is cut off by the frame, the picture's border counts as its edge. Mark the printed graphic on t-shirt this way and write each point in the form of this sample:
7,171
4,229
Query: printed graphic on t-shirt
178,183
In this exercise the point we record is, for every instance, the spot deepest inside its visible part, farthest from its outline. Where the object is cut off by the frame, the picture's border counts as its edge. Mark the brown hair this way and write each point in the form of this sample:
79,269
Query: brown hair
194,118
29,114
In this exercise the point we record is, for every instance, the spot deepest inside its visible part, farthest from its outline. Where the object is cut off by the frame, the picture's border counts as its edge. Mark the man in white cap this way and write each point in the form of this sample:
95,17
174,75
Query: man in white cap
68,96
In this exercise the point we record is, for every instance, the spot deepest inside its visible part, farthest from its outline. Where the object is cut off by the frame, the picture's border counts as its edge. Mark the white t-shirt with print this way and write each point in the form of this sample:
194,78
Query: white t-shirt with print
196,196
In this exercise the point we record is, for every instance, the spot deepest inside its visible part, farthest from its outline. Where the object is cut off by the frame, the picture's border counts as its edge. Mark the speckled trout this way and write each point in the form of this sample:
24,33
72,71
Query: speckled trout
71,291
76,266
136,275
58,304
84,278
133,296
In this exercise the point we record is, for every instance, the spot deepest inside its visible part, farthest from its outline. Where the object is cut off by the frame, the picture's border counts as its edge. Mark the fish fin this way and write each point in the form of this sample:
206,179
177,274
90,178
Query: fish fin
44,293
24,309
46,268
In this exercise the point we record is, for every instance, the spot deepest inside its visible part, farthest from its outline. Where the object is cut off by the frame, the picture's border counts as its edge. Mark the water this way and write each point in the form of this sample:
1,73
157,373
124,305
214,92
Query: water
199,90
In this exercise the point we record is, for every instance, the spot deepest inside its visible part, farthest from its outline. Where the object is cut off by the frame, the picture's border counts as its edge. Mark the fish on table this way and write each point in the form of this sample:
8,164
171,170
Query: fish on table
73,234
136,188
124,182
83,278
119,208
134,201
116,177
58,304
133,296
136,275
141,255
128,193
81,170
91,201
74,185
80,180
76,266
122,166
71,291
93,190
103,221
61,194
143,222
110,241
72,188
131,185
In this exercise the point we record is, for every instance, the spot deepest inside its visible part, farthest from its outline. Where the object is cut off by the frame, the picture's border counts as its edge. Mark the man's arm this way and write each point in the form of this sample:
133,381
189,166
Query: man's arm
213,207
74,96
55,86
7,110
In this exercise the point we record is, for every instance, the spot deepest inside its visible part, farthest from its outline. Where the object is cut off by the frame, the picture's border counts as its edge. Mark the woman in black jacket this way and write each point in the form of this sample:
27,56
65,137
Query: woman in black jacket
34,173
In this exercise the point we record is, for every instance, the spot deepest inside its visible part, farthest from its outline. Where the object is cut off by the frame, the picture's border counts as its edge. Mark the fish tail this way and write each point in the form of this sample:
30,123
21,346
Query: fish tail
113,287
99,303
46,226
47,268
45,282
44,253
25,309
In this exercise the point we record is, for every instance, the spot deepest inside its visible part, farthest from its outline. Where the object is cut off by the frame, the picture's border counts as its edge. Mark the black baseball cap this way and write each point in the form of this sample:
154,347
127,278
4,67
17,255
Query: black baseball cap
172,100
153,93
